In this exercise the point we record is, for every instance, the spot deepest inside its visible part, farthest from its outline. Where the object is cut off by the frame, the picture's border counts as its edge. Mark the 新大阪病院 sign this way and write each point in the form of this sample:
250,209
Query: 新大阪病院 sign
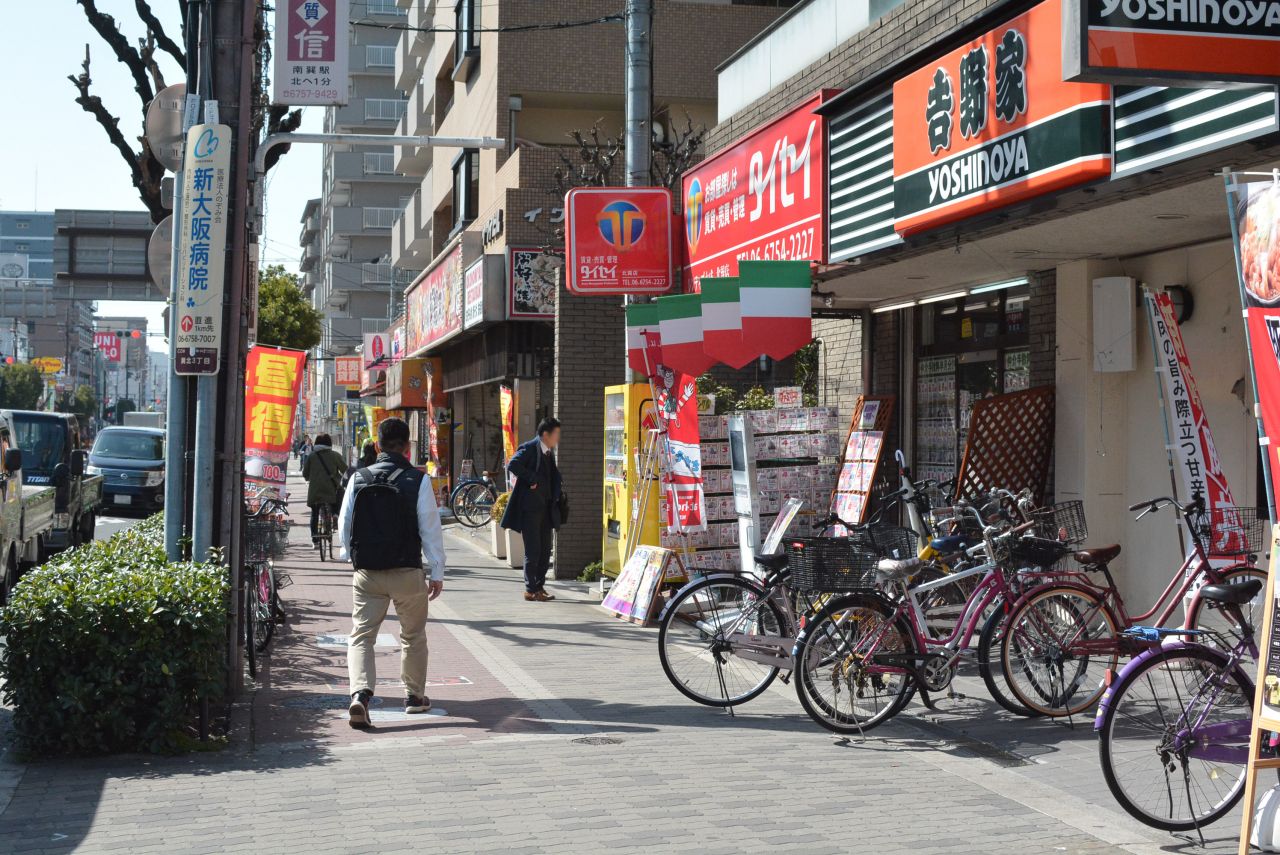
992,123
1171,41
200,255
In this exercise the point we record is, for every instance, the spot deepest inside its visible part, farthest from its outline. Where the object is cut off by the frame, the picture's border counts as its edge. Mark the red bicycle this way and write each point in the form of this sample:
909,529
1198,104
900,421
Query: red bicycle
1064,636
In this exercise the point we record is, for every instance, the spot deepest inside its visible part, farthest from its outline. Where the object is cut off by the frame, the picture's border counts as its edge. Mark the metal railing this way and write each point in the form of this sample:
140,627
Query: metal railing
380,218
384,109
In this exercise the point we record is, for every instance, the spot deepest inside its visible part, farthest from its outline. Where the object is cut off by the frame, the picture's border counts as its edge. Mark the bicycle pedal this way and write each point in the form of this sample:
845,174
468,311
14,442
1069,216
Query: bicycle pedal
785,678
283,580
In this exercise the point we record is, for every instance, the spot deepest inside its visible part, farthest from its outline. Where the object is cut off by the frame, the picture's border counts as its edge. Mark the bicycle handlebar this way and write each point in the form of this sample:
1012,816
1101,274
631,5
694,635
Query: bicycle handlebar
1152,505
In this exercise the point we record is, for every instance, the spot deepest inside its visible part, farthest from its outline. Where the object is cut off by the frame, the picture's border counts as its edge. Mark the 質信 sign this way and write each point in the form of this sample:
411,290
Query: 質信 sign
993,123
619,240
311,52
762,199
1167,41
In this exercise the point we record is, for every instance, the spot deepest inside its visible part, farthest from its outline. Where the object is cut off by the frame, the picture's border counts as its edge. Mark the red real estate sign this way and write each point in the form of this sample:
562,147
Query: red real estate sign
762,199
619,240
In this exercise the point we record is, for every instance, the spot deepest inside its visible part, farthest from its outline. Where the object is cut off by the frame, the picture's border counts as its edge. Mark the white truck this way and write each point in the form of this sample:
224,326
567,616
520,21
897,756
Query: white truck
26,512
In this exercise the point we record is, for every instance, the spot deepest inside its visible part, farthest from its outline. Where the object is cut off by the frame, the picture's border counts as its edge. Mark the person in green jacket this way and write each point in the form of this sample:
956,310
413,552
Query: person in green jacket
323,471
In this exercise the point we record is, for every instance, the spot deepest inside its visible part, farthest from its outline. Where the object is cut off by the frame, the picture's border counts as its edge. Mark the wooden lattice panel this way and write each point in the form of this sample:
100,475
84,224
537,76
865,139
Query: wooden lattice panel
1009,444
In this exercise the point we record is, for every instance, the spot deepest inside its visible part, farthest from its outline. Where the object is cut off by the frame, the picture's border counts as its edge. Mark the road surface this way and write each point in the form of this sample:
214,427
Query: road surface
108,525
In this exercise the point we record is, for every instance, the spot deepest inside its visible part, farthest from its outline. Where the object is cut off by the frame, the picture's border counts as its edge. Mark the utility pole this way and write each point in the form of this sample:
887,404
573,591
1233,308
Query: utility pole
639,98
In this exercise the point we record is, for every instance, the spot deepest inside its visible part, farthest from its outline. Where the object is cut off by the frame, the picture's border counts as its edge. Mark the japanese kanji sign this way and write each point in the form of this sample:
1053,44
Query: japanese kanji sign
347,371
272,379
761,199
618,240
311,52
201,252
993,123
1172,41
433,304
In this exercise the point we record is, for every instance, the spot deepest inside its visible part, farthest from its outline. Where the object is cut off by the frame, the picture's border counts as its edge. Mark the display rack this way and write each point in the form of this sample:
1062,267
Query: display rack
860,459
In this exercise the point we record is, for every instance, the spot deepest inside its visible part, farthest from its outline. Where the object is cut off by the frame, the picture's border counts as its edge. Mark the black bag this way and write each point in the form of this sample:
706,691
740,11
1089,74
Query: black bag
384,525
564,507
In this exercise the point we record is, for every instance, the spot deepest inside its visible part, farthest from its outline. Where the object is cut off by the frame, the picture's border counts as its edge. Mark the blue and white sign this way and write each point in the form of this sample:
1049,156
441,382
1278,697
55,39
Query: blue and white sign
202,247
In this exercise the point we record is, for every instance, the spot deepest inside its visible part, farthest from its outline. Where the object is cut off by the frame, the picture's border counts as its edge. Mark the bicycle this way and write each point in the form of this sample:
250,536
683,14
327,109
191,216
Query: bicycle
324,531
261,585
472,500
1058,631
1174,726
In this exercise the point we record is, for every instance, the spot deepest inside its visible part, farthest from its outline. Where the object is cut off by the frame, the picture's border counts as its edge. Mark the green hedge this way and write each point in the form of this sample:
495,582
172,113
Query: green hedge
109,648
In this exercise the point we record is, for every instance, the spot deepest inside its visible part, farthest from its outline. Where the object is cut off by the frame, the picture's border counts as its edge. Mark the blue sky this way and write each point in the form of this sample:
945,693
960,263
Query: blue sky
54,155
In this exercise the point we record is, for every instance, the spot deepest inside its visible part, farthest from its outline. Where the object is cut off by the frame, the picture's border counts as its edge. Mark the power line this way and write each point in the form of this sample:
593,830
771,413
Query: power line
511,28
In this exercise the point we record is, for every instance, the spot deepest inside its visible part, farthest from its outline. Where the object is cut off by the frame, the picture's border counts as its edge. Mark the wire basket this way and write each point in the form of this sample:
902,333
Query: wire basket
1063,522
1227,532
259,539
830,564
887,541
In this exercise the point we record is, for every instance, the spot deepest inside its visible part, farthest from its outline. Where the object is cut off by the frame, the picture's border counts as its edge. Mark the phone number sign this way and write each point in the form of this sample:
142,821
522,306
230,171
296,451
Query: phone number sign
201,249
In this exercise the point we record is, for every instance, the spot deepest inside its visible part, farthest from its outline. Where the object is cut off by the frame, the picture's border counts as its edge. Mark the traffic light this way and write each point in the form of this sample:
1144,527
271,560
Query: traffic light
135,334
8,360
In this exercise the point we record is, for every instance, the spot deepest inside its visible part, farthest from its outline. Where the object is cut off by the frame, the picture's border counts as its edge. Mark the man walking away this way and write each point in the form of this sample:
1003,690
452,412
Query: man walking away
534,507
323,471
388,525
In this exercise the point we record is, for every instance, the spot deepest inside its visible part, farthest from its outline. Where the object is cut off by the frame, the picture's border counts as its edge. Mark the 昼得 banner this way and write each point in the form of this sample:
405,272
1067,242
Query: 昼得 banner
272,379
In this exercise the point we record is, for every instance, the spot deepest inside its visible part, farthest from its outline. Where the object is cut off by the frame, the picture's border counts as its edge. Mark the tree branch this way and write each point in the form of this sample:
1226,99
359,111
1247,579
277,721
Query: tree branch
105,26
147,50
280,120
154,26
140,165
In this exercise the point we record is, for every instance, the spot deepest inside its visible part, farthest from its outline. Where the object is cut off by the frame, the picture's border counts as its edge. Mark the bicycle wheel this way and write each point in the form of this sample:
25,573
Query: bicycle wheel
696,641
250,611
989,661
264,626
851,664
1169,752
472,504
1057,647
1203,614
324,546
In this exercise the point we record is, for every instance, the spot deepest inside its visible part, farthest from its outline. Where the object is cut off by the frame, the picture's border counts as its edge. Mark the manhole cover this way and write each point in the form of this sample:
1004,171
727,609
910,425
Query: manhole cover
596,740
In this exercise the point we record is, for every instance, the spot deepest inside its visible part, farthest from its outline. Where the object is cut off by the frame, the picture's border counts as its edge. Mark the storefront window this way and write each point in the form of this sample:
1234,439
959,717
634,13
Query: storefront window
972,348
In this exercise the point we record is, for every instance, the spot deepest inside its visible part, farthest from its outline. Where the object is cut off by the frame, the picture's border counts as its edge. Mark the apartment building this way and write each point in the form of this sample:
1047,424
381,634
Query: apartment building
346,235
487,302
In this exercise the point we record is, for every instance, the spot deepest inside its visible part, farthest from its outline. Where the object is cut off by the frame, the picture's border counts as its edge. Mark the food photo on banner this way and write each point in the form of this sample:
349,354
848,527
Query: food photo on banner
273,377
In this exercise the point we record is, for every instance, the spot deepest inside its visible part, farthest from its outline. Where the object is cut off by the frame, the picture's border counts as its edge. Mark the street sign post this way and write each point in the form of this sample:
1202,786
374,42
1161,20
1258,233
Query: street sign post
201,250
163,125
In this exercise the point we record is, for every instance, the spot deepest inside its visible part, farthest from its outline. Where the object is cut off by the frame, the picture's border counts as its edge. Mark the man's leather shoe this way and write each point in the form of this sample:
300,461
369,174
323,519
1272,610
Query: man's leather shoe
545,595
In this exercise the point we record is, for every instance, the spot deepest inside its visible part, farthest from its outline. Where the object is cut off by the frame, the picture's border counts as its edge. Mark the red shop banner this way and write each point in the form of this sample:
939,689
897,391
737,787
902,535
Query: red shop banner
762,199
619,240
272,378
110,345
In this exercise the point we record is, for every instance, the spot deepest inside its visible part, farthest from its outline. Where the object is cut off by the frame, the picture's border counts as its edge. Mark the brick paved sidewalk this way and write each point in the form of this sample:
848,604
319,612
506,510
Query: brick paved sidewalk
563,735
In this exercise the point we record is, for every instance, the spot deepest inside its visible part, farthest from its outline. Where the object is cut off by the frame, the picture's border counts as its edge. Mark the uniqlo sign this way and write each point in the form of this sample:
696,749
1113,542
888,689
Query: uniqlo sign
311,52
619,240
110,345
762,199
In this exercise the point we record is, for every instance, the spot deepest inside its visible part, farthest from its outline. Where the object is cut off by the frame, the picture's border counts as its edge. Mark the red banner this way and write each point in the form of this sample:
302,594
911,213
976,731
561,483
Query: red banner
618,240
506,408
272,377
676,396
762,199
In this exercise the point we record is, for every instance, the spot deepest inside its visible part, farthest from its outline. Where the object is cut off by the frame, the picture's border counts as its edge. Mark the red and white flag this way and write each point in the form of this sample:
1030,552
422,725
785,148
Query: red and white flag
777,309
680,323
722,323
644,350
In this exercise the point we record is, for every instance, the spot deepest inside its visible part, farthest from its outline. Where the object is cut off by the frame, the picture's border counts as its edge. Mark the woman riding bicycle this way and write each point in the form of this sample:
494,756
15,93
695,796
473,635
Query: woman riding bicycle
323,470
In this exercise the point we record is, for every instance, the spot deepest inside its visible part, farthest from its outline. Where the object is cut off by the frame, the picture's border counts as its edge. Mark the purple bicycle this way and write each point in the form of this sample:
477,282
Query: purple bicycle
1173,726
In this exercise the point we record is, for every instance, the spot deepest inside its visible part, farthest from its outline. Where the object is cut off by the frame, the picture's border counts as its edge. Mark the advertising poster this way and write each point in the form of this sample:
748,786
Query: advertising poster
273,377
377,349
634,593
618,240
311,52
531,284
434,304
506,406
676,397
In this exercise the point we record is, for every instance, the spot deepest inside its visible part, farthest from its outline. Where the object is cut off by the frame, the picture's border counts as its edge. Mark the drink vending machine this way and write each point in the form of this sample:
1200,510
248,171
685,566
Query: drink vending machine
630,499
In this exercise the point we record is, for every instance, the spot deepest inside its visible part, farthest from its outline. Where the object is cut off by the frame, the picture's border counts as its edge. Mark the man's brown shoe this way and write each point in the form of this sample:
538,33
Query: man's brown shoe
530,596
538,596
545,595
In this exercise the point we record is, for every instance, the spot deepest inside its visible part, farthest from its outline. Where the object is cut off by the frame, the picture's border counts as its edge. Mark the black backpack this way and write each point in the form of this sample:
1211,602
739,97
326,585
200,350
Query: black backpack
384,525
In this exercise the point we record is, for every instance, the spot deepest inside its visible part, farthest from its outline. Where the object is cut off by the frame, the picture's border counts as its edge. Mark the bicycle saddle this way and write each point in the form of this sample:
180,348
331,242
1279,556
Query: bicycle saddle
1097,554
772,562
1235,593
951,543
896,569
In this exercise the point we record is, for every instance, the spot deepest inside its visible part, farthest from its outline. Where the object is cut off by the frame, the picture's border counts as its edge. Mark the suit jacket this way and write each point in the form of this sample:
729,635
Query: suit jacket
530,467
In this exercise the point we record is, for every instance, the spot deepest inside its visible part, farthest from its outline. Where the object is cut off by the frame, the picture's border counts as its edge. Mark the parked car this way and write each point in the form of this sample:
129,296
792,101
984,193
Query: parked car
26,511
54,455
131,463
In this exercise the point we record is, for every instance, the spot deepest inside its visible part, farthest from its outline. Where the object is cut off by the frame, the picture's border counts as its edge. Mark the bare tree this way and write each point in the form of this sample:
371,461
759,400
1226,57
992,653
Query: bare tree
143,58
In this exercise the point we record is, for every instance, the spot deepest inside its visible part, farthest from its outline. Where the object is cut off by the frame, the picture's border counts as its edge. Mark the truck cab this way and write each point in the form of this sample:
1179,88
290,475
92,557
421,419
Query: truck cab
54,455
26,511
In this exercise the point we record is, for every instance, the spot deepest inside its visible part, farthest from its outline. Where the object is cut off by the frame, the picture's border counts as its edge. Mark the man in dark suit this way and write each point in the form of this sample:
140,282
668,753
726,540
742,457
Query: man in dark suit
534,507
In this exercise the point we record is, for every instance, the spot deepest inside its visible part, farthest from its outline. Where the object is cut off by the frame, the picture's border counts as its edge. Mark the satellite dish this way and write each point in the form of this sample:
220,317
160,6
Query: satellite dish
163,125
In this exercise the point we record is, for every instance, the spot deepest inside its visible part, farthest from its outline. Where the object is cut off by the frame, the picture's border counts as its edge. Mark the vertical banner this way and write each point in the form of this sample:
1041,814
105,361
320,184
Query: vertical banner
1199,470
676,396
202,249
273,377
312,53
506,406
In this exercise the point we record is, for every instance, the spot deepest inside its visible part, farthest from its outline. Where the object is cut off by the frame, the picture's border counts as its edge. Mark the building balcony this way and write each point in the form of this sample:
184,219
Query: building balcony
411,236
383,274
418,120
310,228
310,257
366,115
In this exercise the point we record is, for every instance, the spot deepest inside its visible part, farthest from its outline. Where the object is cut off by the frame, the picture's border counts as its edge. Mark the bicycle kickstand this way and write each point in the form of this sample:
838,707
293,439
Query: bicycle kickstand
724,689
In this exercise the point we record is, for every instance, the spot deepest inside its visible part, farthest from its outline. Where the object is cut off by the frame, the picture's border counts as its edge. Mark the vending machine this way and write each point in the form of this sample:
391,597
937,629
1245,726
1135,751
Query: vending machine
629,498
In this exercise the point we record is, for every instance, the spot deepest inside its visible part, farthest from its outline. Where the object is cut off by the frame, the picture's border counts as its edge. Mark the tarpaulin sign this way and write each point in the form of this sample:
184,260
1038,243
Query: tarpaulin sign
273,377
676,396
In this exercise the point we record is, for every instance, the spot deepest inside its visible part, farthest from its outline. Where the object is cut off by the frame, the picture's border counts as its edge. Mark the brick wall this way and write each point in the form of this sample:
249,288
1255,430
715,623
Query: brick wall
589,355
840,380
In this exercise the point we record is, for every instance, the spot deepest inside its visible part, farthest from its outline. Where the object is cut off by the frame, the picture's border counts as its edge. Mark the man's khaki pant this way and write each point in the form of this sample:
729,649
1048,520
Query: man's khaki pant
372,591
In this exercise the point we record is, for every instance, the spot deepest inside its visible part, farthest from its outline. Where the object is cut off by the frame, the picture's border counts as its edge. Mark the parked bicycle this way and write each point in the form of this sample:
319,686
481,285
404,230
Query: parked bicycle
265,536
472,500
1063,636
1173,728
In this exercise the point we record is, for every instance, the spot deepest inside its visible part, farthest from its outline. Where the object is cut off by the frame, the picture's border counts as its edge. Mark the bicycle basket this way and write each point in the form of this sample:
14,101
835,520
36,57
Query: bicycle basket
259,537
887,541
1063,522
1227,531
1037,551
830,564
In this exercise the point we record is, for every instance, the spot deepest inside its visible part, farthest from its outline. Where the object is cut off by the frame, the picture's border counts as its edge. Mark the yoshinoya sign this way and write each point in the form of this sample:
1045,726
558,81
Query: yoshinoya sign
311,52
762,199
201,252
618,240
992,123
1171,41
